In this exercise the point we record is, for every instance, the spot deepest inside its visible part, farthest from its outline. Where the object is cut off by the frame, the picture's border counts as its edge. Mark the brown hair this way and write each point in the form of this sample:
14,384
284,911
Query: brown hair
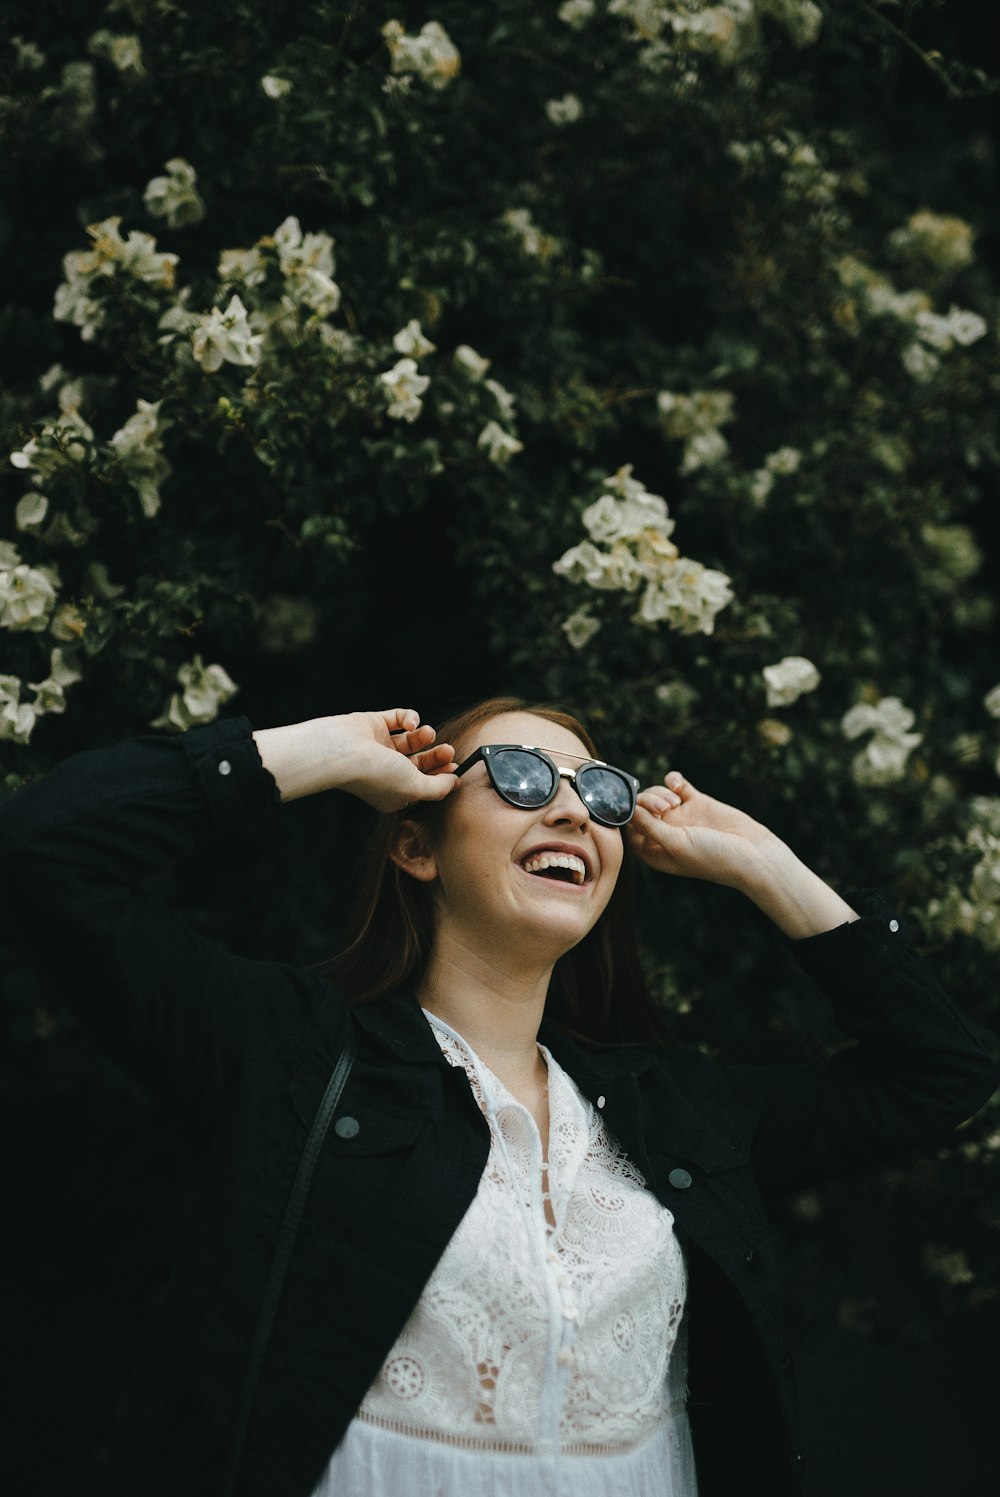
598,989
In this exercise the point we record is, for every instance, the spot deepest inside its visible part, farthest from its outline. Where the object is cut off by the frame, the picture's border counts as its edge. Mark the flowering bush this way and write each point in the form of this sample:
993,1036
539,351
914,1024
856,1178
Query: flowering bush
359,356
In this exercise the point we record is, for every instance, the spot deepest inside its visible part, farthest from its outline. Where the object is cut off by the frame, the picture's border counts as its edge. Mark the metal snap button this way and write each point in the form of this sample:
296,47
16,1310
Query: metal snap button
601,1101
347,1127
224,766
679,1179
893,924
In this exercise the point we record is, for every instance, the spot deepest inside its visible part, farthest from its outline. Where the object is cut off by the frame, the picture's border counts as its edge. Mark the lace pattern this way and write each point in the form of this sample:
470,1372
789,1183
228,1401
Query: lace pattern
550,1319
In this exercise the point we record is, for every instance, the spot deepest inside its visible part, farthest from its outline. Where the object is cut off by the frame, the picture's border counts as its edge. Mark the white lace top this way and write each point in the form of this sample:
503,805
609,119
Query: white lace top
543,1357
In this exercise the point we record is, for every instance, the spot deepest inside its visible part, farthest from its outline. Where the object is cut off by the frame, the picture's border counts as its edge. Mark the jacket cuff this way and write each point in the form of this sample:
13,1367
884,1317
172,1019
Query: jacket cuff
226,764
858,953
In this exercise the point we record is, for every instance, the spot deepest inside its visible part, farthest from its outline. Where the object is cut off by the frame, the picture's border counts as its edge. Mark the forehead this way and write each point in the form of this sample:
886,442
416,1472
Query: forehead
523,727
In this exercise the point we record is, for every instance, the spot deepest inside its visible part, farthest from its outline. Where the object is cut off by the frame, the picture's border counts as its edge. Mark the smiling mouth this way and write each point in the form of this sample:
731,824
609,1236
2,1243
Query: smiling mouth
568,872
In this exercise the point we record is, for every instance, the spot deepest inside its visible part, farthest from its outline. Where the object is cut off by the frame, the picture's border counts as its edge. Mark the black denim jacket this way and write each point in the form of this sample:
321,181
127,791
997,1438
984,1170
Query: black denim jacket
240,1052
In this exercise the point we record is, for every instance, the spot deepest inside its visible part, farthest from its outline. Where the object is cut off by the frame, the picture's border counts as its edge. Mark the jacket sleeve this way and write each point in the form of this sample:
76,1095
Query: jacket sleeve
916,1069
176,1011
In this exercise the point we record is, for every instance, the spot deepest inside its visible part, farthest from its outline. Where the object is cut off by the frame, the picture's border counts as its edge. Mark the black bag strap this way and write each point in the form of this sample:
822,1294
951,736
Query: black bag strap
282,1253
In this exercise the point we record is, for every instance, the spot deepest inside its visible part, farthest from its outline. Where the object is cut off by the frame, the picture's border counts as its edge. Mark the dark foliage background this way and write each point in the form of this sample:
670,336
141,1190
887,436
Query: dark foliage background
752,269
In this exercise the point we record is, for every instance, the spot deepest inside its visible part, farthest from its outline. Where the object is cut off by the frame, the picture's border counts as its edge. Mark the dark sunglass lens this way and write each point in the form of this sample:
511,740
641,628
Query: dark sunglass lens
607,794
524,778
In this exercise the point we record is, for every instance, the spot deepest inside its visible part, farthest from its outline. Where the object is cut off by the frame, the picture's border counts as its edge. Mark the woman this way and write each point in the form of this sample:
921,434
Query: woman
529,1212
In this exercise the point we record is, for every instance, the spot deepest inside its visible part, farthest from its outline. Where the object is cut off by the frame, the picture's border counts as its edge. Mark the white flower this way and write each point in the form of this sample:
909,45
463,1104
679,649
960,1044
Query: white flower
431,54
175,196
404,387
225,337
500,445
580,628
275,88
205,689
966,327
504,399
564,111
123,52
696,419
784,461
919,362
533,241
50,692
884,758
576,13
246,265
31,510
139,448
789,679
410,340
940,238
16,720
761,484
10,557
991,701
306,262
27,597
473,363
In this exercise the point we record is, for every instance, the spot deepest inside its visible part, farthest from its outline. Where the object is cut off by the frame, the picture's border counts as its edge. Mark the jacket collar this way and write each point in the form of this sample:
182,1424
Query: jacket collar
396,1021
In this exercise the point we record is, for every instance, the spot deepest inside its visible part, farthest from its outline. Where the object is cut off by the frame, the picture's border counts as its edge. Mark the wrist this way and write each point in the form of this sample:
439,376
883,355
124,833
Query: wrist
306,757
791,894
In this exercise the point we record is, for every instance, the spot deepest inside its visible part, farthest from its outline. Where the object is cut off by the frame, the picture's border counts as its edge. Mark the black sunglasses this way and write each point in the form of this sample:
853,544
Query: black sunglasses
526,776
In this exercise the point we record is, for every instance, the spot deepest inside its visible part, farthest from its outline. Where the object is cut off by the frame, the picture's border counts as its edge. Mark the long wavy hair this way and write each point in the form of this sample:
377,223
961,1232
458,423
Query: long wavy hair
598,991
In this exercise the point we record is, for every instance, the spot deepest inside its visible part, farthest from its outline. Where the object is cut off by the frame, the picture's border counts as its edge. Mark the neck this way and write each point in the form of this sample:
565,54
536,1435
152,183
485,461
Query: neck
495,1006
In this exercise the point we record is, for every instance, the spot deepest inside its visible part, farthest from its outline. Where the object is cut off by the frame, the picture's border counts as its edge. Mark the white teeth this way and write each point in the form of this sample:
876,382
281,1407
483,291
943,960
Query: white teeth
543,860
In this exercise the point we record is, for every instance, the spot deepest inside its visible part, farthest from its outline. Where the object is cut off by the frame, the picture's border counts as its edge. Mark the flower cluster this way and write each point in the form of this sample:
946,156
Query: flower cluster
789,679
939,239
933,333
27,594
530,237
138,445
499,443
629,548
781,463
64,441
17,718
883,759
123,52
728,30
564,111
431,55
404,386
975,910
204,689
695,420
175,197
78,298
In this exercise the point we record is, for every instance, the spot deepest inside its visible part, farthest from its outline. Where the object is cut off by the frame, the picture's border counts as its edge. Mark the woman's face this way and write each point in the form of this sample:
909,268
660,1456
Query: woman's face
484,894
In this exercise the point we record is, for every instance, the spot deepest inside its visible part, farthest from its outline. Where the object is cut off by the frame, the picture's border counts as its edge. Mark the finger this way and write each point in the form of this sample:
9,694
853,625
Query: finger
401,719
411,740
676,781
440,756
658,800
435,786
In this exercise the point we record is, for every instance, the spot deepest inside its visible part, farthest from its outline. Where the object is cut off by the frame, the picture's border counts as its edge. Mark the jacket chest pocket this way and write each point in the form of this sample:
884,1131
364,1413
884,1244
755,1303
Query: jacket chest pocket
364,1122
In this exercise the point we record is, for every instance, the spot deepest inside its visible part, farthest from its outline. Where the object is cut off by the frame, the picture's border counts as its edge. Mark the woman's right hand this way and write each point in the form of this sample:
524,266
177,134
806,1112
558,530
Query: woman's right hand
384,758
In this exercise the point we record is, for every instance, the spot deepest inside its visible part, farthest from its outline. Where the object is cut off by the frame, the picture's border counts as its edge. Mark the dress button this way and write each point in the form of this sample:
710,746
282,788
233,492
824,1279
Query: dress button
347,1127
893,924
679,1179
224,766
570,1312
601,1101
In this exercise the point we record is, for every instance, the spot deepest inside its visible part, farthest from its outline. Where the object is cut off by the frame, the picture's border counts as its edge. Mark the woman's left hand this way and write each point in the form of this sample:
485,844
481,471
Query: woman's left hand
678,829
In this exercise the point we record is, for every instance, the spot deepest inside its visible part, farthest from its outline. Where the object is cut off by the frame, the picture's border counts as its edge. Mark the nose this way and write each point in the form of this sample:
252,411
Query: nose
567,806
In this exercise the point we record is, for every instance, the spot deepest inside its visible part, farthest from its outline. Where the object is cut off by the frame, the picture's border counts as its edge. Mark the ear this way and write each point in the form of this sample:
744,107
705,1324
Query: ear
411,851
